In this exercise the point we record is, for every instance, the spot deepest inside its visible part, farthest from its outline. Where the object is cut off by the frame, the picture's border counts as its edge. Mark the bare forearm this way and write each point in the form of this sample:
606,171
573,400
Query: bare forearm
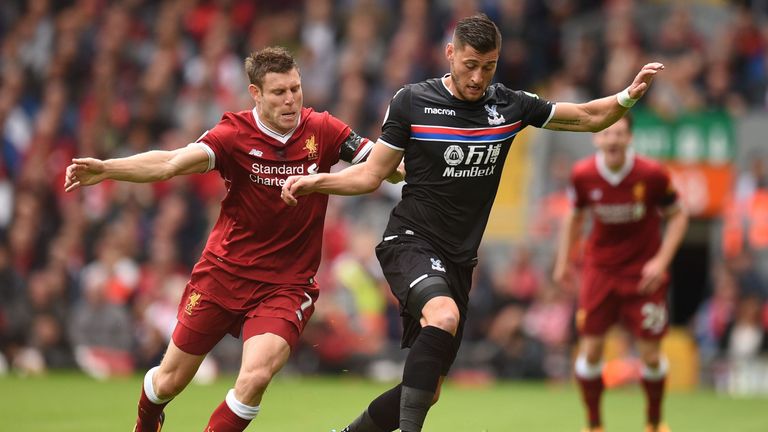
604,112
570,233
146,167
354,180
592,116
677,224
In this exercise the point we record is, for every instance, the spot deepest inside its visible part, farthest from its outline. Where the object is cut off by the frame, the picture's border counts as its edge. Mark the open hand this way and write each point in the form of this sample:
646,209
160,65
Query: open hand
653,274
84,172
643,80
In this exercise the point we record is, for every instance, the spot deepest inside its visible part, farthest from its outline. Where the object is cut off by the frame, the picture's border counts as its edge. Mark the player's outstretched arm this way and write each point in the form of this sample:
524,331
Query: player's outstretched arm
382,164
570,232
144,167
598,114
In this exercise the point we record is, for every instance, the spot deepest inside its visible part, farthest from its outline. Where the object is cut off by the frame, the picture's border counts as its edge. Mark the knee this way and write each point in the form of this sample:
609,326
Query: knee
251,384
593,357
652,359
168,384
444,316
592,350
445,321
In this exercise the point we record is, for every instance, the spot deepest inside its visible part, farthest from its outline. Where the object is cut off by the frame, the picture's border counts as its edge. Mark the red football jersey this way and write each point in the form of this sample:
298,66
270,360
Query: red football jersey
626,211
257,236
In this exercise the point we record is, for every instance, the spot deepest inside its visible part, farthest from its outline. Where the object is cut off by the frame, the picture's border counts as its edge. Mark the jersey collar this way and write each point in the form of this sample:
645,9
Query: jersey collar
283,138
615,177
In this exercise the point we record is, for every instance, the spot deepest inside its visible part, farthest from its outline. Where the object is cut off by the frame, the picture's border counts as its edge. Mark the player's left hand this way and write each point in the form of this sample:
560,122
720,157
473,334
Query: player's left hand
643,80
652,276
398,175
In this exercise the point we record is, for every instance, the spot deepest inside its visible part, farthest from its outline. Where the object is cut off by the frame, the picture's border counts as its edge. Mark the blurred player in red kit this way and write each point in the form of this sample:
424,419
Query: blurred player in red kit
255,278
625,261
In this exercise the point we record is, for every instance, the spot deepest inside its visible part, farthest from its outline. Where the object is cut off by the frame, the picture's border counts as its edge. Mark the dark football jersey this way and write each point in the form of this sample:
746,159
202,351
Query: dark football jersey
454,154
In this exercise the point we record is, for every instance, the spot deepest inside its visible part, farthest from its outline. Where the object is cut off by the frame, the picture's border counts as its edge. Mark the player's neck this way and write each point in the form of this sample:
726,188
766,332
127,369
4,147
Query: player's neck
617,165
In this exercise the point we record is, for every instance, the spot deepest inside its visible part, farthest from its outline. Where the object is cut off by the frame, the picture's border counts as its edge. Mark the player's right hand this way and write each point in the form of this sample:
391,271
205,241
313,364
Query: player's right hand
83,172
293,187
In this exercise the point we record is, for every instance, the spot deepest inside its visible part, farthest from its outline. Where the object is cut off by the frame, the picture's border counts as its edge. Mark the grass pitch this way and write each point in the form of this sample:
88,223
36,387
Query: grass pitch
75,403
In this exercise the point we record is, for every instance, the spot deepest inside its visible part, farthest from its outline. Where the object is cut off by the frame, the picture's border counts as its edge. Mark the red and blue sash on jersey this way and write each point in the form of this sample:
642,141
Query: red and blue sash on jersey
468,135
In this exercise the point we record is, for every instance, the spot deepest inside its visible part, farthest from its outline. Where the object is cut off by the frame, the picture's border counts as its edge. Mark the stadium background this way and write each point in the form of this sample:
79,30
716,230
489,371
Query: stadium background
90,281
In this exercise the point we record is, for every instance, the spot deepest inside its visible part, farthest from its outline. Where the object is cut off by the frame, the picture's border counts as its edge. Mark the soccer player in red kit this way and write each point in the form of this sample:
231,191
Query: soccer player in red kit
256,275
625,261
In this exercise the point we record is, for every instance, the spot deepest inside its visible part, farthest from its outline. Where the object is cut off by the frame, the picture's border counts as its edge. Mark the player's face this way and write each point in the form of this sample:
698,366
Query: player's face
471,71
279,100
613,141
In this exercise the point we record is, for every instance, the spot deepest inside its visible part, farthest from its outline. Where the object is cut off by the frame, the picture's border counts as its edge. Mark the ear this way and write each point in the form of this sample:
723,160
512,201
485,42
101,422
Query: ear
449,51
255,92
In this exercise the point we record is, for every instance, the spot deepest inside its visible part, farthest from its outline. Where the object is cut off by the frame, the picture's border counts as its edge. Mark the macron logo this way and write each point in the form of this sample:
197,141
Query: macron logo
440,111
255,152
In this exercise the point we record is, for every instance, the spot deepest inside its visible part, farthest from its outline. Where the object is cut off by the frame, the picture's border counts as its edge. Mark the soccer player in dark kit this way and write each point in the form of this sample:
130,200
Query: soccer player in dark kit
255,278
454,133
625,262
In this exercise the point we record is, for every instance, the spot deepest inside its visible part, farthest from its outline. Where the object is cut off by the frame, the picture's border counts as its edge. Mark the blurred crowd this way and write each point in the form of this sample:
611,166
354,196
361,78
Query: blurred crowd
92,279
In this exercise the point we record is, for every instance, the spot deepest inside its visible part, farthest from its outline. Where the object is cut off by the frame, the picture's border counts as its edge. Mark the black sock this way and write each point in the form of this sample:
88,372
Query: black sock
382,415
421,375
363,423
385,409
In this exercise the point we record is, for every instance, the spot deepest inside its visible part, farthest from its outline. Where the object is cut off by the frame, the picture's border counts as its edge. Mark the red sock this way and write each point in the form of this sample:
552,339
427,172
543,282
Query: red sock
591,392
224,420
149,414
654,394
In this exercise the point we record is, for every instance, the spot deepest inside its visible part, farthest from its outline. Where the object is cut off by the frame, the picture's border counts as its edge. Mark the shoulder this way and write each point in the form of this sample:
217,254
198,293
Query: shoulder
236,121
229,127
310,113
429,87
320,119
244,116
650,166
584,167
501,92
311,117
430,84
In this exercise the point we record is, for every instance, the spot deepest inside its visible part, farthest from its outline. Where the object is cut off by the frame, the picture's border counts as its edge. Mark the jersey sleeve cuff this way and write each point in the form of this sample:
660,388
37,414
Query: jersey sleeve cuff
551,114
208,151
392,146
363,153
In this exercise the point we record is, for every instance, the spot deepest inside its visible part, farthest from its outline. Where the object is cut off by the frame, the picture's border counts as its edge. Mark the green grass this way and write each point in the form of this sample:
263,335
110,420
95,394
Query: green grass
74,403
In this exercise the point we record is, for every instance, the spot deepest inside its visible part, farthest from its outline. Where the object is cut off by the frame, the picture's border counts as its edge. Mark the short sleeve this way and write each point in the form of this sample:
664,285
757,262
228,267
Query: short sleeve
396,129
575,193
216,138
669,195
536,111
334,132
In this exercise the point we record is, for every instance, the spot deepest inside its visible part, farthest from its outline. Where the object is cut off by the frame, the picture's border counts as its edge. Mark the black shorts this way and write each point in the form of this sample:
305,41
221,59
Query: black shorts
407,260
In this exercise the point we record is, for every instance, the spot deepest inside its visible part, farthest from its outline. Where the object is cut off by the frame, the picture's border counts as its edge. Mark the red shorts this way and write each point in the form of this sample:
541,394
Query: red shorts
606,299
216,303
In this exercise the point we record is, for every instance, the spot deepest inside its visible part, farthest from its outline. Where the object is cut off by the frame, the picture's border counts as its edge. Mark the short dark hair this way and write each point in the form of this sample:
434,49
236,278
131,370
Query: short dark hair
272,59
479,32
